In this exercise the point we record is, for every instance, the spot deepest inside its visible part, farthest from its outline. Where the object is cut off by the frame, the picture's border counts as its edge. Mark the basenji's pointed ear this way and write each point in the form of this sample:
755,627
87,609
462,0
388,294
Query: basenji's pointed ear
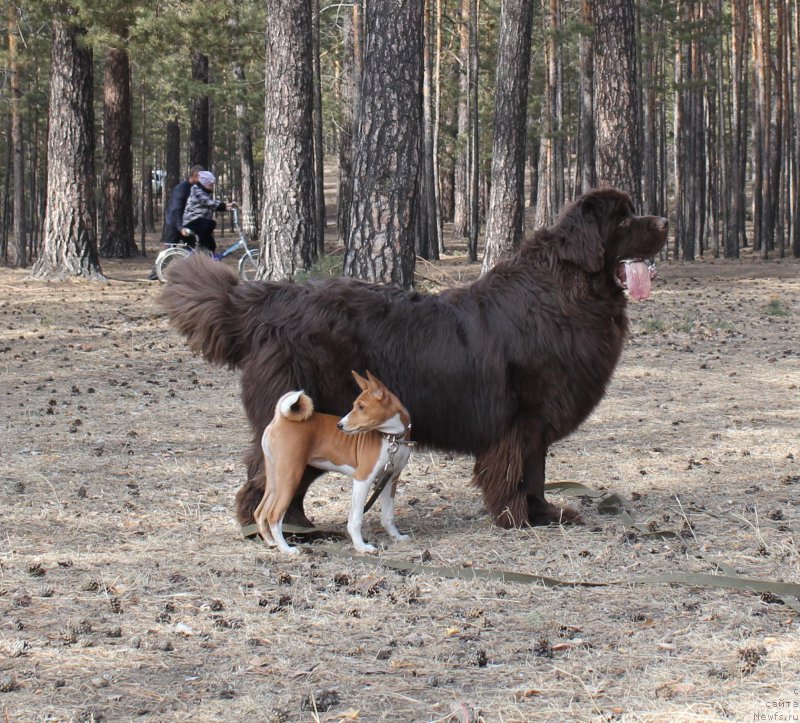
362,383
376,386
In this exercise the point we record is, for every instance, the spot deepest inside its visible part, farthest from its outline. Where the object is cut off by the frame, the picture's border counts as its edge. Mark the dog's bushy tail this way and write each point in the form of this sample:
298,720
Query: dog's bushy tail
295,406
197,299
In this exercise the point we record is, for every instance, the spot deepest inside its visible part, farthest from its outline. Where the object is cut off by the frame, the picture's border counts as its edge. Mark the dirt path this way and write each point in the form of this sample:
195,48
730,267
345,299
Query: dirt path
126,591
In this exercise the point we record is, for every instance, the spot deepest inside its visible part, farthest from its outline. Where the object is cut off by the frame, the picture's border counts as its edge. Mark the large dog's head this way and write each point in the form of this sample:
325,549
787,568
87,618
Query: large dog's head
600,233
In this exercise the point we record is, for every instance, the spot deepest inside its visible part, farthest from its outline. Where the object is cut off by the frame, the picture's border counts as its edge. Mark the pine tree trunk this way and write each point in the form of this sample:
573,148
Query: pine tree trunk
172,166
348,94
735,235
244,146
437,108
504,225
586,157
761,185
649,120
319,169
616,96
118,231
461,218
288,228
544,212
795,153
429,203
17,145
386,149
200,132
776,155
146,183
70,235
474,142
556,89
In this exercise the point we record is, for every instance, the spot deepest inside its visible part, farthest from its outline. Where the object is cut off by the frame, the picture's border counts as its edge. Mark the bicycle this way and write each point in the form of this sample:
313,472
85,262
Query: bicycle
248,264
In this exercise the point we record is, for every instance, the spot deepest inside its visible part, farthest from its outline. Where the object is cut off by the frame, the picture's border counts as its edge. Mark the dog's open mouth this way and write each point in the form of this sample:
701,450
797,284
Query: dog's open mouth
636,276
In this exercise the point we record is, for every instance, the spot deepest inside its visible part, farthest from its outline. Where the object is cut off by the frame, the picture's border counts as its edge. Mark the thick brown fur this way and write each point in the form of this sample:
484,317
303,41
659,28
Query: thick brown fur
500,369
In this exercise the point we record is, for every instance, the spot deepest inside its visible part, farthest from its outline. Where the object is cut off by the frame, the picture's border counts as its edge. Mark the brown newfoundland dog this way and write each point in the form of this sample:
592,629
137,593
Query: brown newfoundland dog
499,369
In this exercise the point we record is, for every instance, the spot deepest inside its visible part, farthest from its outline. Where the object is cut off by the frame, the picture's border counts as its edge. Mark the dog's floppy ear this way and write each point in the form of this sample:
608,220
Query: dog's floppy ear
362,383
376,386
581,240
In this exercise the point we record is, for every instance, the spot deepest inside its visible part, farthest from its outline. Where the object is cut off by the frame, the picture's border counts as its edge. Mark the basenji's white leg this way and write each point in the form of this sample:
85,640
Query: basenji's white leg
387,510
260,516
277,533
360,491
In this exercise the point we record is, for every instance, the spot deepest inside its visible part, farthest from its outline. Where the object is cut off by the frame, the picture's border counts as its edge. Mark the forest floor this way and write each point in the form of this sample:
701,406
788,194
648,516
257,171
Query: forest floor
127,591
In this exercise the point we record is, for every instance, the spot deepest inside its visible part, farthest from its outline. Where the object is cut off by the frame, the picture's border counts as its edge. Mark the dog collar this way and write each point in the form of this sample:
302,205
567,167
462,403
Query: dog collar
398,439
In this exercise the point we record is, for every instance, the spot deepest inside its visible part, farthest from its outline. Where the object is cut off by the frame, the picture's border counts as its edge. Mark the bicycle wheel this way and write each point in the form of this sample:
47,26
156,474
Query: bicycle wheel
166,257
248,265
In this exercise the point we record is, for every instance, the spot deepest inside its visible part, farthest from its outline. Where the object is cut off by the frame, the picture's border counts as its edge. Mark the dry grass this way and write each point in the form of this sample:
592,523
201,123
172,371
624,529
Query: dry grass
126,591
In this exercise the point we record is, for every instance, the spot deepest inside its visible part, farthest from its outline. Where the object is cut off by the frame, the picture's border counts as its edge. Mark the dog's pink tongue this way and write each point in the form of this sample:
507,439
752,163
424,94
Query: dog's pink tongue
637,277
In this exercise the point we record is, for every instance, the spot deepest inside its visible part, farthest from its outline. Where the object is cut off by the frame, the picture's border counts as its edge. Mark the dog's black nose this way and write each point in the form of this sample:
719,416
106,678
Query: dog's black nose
339,425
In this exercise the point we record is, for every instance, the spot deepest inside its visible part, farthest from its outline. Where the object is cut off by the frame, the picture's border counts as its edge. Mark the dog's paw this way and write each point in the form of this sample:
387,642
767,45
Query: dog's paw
367,549
399,537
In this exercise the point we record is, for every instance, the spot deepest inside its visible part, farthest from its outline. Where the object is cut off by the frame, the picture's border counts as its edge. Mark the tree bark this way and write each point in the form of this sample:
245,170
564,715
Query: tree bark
288,229
17,144
461,218
118,231
429,196
616,96
244,145
437,109
474,141
796,140
735,234
200,132
763,109
504,225
172,166
348,104
70,235
386,147
586,158
319,170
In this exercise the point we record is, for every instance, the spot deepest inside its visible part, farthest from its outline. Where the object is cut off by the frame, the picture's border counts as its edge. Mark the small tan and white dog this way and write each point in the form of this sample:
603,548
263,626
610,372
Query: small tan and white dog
368,444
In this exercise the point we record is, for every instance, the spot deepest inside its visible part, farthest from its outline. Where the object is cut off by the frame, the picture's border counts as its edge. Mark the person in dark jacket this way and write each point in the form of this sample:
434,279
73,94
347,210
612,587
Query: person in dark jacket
173,219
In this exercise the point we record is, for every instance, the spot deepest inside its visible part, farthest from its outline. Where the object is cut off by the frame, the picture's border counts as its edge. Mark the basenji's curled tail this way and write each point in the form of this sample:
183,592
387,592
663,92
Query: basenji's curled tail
295,406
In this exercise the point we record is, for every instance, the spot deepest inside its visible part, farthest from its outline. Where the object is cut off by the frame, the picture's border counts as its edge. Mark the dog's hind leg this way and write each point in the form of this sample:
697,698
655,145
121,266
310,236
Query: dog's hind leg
278,503
498,472
251,492
262,511
539,510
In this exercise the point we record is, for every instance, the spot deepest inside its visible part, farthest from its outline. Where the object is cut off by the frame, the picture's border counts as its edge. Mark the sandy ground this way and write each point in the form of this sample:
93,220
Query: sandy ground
126,591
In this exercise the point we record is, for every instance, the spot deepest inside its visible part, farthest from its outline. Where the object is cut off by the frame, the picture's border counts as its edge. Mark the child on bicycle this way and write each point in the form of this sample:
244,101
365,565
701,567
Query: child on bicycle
198,216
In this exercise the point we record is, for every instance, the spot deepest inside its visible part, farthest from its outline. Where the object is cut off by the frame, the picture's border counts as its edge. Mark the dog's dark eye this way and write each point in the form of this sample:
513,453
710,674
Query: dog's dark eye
360,407
624,223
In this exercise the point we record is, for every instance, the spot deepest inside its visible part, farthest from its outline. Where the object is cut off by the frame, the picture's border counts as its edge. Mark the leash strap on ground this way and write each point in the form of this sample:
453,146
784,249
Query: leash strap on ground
471,573
607,503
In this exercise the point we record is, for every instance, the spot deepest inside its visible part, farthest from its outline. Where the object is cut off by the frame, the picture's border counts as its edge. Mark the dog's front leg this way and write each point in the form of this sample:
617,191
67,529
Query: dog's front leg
360,491
387,510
